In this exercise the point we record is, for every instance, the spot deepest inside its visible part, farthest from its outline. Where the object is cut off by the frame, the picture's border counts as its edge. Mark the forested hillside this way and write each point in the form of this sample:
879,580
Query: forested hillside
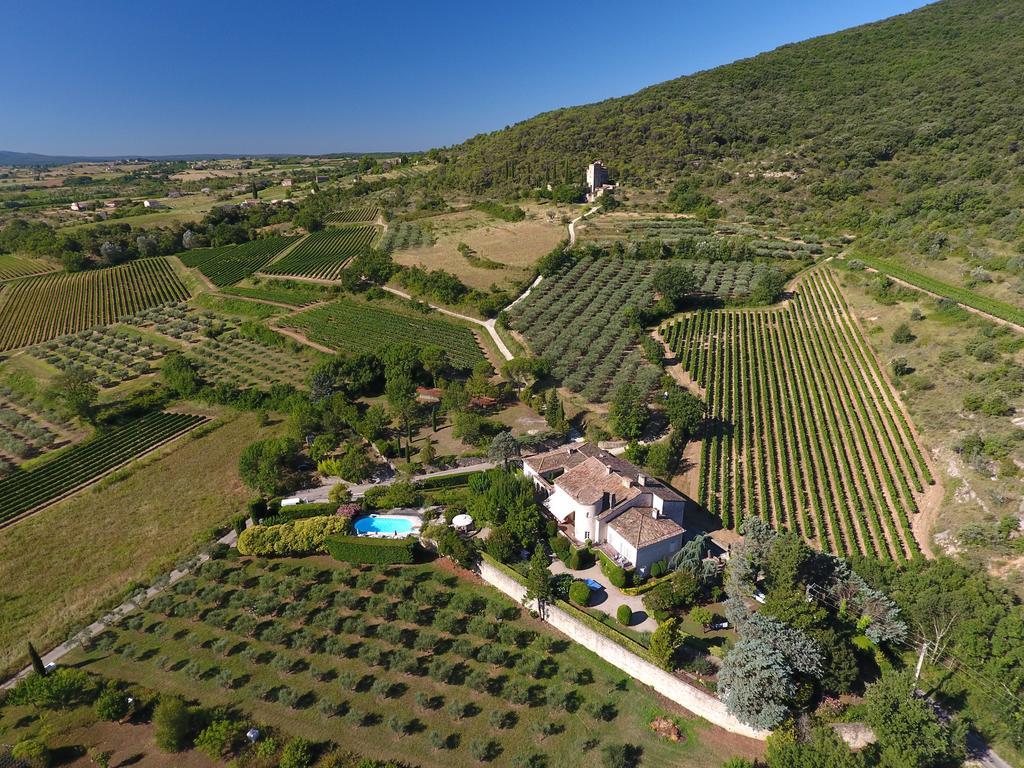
915,120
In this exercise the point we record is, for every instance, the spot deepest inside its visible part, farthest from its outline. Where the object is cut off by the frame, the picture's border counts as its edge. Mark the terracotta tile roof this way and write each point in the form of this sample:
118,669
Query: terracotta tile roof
571,458
639,527
591,480
563,458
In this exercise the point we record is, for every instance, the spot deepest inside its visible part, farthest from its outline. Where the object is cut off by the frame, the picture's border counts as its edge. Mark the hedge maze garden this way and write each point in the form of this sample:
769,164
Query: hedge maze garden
38,309
25,490
323,255
407,661
804,429
347,326
230,263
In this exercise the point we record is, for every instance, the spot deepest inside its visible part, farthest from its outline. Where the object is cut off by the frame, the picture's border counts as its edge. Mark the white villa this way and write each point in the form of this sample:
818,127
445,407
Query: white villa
636,519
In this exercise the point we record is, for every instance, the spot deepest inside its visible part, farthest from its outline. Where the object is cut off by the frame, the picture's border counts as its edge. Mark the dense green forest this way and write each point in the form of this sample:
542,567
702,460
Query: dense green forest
900,128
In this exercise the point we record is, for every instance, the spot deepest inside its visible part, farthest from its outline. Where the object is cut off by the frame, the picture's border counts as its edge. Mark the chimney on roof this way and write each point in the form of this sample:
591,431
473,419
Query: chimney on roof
641,480
626,482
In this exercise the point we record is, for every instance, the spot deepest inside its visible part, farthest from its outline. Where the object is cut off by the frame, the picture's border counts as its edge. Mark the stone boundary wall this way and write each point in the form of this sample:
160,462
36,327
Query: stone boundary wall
695,700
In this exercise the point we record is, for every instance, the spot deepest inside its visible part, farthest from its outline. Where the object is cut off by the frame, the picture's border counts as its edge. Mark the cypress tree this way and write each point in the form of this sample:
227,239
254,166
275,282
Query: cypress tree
37,662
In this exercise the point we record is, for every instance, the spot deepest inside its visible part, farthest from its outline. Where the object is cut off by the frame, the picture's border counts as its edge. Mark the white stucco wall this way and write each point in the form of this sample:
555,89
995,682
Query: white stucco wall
585,524
661,550
620,545
561,504
700,702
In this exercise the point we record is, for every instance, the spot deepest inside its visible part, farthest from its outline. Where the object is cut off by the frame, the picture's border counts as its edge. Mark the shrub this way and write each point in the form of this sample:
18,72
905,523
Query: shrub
624,614
173,724
33,752
111,704
218,738
903,334
61,689
579,593
483,751
356,549
616,574
298,537
619,756
297,753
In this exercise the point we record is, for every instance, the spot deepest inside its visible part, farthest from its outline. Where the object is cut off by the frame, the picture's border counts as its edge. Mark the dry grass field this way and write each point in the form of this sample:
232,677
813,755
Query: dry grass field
944,372
517,245
60,566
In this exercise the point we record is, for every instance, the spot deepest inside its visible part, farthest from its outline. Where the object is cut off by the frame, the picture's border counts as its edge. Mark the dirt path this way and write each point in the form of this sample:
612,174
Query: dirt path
56,654
487,324
302,339
968,307
572,224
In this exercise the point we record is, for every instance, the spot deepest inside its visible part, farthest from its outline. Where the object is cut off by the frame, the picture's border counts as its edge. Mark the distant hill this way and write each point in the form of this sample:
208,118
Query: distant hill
22,159
917,116
19,159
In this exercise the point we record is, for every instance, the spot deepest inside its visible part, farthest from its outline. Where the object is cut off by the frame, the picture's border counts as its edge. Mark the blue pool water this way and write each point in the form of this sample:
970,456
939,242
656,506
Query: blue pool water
383,525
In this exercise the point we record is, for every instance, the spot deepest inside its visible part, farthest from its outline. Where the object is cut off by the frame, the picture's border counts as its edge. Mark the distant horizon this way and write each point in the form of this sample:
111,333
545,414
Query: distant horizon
436,78
205,155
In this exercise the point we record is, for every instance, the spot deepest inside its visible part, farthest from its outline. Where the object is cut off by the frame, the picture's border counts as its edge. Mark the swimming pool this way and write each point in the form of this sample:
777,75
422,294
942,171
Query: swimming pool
384,524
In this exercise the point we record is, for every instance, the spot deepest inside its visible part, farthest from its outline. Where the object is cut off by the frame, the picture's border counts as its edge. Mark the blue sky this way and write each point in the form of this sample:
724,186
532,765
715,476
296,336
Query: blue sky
140,77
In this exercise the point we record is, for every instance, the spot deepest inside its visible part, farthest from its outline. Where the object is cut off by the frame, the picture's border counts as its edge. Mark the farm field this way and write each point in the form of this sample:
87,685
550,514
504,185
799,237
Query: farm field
129,527
38,309
576,320
13,266
348,326
805,431
943,374
25,490
709,239
182,323
25,433
965,296
408,663
322,255
235,359
353,215
517,245
405,234
293,293
110,355
231,263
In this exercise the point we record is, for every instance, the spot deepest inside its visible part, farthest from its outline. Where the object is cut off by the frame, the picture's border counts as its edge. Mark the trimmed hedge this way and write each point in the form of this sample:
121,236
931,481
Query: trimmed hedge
616,574
628,643
459,480
298,537
624,614
282,515
359,549
579,593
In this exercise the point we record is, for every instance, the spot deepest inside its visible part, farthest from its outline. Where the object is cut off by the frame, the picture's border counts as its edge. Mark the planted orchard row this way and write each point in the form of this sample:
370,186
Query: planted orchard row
802,430
353,327
230,263
25,490
37,309
578,320
323,255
